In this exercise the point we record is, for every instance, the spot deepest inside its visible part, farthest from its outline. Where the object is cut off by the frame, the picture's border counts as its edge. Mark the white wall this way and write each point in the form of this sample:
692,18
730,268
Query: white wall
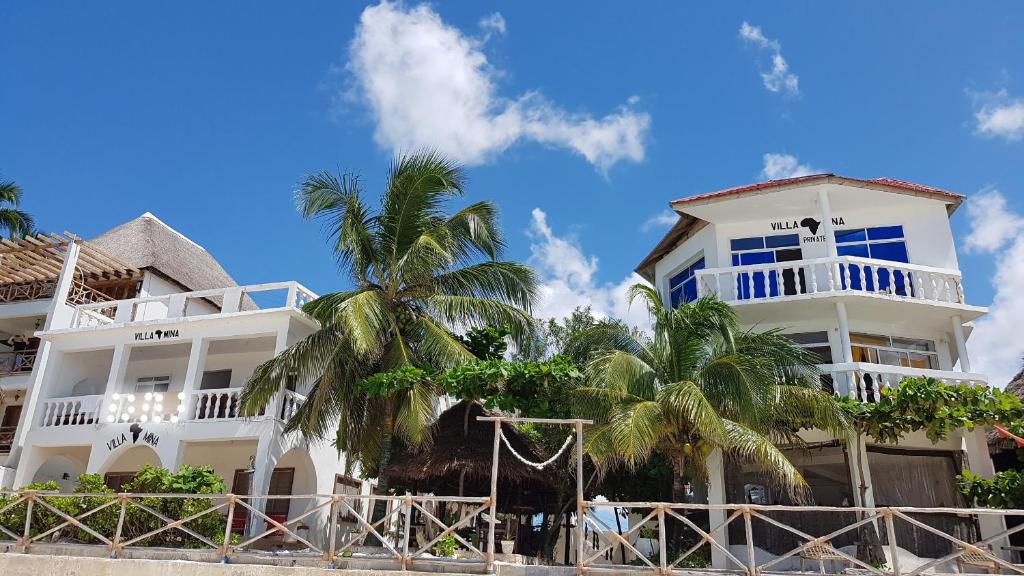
81,371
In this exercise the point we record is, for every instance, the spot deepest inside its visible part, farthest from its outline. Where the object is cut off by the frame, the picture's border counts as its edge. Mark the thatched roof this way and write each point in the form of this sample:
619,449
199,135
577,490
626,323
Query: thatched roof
454,454
995,441
148,243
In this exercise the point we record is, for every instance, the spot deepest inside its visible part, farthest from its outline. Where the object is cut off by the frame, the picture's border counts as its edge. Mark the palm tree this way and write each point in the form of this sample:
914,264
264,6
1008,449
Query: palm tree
700,383
418,274
16,223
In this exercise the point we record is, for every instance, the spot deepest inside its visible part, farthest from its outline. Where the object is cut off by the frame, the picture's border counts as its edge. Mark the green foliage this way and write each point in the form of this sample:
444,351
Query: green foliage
391,382
137,522
1004,490
487,343
934,406
534,389
699,383
446,547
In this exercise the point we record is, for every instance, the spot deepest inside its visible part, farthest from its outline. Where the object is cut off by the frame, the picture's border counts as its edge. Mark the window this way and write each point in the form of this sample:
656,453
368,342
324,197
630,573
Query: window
879,243
767,250
683,286
152,384
350,487
116,481
906,352
816,342
215,379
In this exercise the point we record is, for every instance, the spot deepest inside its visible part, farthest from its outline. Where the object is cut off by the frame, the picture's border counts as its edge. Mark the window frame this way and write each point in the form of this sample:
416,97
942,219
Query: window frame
142,382
687,267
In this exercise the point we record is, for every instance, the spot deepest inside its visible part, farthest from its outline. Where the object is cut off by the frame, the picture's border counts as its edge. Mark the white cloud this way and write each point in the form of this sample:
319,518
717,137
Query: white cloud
995,347
778,78
997,114
992,223
493,24
660,221
778,166
569,278
429,85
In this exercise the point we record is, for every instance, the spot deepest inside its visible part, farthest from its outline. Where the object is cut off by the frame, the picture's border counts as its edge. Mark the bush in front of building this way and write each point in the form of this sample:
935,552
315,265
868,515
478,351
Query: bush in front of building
193,481
1004,490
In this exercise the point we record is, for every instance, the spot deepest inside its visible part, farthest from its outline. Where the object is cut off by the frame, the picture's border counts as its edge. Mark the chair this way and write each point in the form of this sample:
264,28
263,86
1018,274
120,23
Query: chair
820,553
977,559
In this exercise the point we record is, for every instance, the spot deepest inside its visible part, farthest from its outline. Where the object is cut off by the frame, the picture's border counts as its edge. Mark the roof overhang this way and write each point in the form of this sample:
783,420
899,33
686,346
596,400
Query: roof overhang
40,258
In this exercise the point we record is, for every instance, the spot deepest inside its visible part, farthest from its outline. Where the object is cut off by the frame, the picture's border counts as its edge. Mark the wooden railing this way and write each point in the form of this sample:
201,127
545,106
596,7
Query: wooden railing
781,280
402,531
45,289
695,544
19,362
7,437
191,304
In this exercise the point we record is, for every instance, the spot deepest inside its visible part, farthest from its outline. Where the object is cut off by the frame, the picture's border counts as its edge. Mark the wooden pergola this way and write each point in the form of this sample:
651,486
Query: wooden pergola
30,267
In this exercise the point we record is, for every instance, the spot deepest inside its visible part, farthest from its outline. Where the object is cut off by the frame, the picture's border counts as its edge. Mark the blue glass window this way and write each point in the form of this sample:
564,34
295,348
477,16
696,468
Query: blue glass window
878,243
683,286
746,243
782,240
767,250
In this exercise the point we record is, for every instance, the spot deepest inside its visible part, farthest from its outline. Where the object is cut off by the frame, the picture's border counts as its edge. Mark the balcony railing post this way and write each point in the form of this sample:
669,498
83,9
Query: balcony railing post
225,547
748,529
662,541
332,530
890,534
115,542
407,511
26,539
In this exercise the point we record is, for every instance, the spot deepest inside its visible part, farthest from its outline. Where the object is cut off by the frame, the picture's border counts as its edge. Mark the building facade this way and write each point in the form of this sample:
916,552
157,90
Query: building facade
133,348
865,274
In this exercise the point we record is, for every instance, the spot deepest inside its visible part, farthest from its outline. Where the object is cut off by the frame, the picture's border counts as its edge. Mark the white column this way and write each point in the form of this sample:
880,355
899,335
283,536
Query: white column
58,315
979,461
961,344
115,379
716,495
268,451
826,222
194,374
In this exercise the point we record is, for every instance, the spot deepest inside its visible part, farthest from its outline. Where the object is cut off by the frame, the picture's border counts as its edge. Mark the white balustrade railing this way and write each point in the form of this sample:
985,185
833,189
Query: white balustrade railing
147,407
864,381
764,282
217,404
71,411
190,304
290,404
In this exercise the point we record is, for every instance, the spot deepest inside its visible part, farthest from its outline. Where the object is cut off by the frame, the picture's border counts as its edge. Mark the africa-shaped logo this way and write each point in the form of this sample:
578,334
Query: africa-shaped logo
811,224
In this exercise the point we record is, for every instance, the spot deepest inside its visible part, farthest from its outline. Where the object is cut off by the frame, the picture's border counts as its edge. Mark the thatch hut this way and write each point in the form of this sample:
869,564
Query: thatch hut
458,462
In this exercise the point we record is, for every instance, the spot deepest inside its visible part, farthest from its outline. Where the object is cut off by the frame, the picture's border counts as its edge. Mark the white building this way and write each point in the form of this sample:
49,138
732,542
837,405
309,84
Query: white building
139,344
865,273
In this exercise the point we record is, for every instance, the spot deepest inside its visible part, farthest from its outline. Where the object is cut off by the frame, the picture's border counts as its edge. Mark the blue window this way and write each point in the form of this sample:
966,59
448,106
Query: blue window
878,243
683,286
767,250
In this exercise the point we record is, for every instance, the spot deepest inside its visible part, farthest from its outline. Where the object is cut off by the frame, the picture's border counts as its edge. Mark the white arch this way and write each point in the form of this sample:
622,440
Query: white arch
131,460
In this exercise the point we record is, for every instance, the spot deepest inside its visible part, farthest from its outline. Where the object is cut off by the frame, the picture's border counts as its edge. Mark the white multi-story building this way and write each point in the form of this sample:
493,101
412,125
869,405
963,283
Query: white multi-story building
133,349
863,272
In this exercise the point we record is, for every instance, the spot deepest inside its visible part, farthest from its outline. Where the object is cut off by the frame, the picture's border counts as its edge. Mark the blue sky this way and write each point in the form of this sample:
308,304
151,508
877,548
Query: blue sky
581,123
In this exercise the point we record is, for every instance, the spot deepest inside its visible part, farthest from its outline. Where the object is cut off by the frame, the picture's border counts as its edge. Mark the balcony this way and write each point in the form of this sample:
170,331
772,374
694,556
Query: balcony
219,405
863,381
803,279
20,362
202,303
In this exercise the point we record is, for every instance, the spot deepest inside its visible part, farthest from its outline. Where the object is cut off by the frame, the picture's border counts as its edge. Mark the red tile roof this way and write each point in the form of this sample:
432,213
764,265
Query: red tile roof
888,182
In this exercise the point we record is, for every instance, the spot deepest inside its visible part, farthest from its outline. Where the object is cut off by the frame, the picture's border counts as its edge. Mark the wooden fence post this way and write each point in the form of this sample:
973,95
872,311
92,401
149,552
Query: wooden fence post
226,546
494,496
26,541
115,542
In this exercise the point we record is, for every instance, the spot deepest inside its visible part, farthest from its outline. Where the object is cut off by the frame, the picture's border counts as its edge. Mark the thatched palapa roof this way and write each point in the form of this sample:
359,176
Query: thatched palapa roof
147,243
455,455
